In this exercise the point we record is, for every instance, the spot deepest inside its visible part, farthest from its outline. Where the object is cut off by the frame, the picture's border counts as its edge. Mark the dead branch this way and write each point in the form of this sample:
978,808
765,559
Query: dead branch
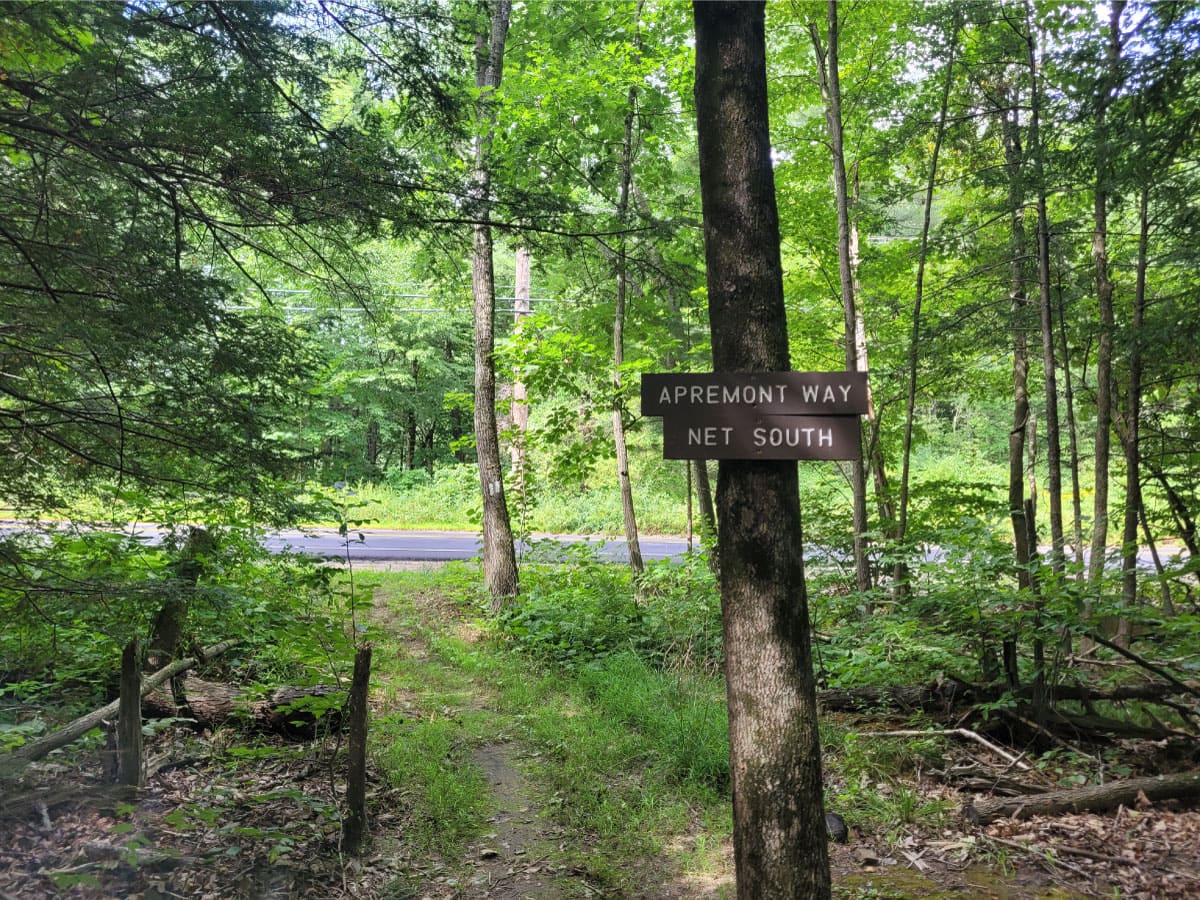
14,762
959,732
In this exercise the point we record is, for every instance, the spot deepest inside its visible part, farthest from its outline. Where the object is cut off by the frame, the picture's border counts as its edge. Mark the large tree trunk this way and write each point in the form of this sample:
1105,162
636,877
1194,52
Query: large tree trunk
775,757
827,74
499,552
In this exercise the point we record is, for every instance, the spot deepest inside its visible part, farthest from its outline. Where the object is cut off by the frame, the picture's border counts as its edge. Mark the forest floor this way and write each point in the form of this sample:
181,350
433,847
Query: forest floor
468,800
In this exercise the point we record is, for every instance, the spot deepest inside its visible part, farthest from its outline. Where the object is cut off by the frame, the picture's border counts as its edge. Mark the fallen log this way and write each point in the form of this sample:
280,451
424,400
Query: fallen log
13,762
944,695
291,711
1093,798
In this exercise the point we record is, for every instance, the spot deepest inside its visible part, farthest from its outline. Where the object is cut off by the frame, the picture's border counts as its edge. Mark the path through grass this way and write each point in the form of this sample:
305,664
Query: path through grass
524,781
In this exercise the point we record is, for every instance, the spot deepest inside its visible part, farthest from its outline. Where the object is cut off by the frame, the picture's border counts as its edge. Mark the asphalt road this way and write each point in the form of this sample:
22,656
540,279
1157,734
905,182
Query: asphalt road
381,545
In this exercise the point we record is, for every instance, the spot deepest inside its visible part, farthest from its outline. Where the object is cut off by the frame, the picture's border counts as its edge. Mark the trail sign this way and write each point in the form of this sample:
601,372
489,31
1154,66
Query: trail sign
693,395
758,415
735,434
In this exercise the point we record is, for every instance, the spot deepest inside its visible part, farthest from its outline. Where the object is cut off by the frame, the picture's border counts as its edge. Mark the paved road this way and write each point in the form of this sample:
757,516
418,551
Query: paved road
379,545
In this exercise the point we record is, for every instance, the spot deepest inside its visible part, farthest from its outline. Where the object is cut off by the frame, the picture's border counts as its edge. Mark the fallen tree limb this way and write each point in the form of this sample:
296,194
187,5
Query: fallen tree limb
959,732
14,762
1093,798
1146,664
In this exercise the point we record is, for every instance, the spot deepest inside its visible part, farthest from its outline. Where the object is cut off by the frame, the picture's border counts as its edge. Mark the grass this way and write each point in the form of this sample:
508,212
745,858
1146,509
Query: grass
627,747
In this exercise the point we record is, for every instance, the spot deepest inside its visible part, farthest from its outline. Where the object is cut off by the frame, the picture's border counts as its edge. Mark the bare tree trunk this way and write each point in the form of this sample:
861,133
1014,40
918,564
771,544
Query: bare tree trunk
873,452
1104,299
775,759
1072,437
629,517
827,73
354,825
1049,363
129,718
499,553
1133,414
1018,509
900,575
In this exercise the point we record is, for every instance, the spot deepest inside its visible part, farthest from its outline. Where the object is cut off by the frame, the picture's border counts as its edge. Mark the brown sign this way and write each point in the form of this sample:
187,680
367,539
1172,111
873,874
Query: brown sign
694,397
732,433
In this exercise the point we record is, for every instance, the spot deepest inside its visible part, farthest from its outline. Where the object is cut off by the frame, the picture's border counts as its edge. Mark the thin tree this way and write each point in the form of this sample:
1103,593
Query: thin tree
629,516
1104,298
831,92
775,756
1018,510
1049,362
499,553
910,400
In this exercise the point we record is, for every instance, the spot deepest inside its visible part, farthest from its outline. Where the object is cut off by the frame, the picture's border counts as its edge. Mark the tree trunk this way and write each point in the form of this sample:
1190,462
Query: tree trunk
1093,798
499,552
354,825
170,623
1104,300
629,517
775,759
1072,435
708,514
1017,508
129,718
827,74
1049,362
1133,414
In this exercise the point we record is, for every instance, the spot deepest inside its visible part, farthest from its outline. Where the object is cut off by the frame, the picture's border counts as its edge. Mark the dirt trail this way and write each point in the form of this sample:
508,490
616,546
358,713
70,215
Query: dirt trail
507,861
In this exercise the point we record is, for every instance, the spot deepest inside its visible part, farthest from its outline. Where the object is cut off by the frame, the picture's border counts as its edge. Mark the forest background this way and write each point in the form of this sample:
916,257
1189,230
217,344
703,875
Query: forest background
240,283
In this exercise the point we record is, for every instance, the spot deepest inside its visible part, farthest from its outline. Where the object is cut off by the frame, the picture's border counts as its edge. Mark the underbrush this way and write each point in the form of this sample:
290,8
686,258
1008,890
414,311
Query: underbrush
83,595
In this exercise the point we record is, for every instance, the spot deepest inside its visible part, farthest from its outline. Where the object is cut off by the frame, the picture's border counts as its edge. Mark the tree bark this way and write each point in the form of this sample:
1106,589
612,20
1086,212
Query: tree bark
775,760
829,78
1093,798
499,552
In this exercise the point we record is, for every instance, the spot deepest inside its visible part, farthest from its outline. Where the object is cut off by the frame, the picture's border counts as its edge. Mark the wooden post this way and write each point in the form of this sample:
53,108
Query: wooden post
354,825
129,718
